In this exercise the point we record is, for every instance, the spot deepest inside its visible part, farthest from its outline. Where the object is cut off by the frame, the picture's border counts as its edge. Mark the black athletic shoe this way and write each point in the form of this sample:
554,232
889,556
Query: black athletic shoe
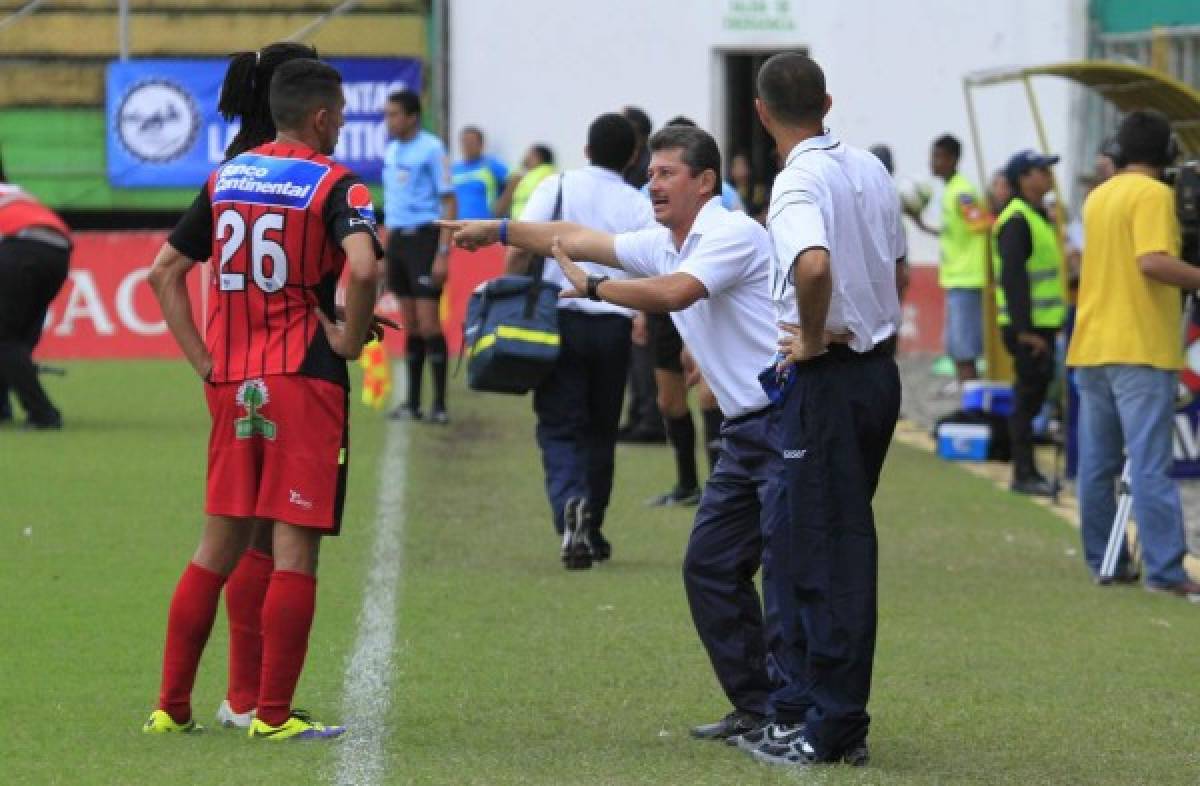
598,545
1035,485
773,733
676,498
405,412
440,417
799,752
576,555
733,724
49,424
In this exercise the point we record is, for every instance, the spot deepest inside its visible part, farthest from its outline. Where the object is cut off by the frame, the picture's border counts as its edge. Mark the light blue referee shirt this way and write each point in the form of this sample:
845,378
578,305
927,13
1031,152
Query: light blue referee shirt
416,175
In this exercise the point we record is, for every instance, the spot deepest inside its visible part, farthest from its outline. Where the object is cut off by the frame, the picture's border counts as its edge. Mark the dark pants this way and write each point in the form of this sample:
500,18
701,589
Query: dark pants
743,506
838,420
578,408
31,274
1034,375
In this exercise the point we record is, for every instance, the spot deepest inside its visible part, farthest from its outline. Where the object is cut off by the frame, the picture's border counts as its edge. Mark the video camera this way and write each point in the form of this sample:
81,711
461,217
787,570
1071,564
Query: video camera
1185,178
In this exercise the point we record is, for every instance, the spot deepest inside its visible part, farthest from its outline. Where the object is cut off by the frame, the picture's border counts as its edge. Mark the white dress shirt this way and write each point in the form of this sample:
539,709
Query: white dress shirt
841,199
597,198
730,333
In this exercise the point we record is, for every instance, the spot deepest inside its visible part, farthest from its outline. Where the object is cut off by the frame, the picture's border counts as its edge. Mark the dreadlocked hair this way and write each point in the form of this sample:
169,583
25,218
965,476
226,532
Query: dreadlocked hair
246,89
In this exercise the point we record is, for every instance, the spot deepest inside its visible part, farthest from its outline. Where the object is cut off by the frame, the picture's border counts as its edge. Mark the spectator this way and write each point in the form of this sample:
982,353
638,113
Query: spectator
964,239
478,178
536,166
635,173
753,194
35,251
1030,304
999,192
1126,350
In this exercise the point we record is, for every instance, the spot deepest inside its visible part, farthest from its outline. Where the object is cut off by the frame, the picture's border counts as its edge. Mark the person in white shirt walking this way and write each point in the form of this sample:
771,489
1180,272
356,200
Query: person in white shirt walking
710,268
579,405
839,246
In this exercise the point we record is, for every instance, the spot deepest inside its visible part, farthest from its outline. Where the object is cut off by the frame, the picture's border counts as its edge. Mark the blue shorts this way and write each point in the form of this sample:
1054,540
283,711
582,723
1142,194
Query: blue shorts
964,323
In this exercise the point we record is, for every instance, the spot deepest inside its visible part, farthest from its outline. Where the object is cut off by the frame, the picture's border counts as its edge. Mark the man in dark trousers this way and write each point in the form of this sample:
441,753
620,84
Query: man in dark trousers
35,251
838,246
1030,304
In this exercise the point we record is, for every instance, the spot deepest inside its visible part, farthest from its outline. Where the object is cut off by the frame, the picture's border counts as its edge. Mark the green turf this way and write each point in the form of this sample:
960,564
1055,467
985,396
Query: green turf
998,661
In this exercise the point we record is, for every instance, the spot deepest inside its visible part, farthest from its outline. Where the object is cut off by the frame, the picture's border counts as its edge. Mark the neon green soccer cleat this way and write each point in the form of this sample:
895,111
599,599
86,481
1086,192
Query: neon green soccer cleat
162,723
297,727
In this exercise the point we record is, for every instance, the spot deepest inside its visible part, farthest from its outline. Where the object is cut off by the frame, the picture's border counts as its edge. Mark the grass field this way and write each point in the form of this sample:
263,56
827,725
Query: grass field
998,662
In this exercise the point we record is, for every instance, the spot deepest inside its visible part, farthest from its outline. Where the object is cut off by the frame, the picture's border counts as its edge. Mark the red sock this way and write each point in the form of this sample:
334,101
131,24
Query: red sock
286,621
190,620
244,595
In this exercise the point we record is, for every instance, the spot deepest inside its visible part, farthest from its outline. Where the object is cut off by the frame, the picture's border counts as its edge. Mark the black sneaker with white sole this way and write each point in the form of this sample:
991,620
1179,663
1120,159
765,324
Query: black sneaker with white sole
767,733
576,554
799,752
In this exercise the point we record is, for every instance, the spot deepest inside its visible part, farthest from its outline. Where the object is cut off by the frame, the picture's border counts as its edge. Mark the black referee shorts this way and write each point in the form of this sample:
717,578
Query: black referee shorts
410,254
666,343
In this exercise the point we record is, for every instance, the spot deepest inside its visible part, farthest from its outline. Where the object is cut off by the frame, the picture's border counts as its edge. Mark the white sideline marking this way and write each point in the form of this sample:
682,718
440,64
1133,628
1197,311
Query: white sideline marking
367,692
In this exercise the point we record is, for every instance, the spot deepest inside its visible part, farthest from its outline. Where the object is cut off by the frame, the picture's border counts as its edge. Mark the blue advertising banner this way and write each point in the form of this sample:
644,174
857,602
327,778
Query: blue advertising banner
164,129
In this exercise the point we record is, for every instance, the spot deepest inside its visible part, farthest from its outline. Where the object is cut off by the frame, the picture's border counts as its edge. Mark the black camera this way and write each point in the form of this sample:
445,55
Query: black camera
1186,179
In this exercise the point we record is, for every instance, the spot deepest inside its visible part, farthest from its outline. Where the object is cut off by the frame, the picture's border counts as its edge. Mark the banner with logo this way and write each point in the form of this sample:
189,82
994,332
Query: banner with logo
163,127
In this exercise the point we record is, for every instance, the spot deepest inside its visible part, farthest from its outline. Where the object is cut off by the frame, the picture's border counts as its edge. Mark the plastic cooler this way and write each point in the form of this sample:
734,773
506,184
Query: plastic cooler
963,441
985,395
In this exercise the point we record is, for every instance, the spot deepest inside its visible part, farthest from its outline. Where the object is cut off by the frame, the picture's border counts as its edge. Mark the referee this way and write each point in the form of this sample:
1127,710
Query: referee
839,244
417,191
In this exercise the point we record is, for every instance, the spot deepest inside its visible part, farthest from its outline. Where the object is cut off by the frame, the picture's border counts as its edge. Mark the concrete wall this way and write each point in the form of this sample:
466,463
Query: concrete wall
540,70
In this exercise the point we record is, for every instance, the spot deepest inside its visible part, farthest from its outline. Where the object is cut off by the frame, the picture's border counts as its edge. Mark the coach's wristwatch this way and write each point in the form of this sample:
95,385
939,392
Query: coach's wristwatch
593,282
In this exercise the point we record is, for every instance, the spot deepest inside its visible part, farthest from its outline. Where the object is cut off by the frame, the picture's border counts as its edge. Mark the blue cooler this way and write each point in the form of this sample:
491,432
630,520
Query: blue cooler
963,441
985,395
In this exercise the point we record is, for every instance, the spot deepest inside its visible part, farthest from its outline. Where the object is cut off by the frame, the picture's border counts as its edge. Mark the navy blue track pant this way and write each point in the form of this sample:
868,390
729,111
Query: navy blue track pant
838,421
742,506
578,408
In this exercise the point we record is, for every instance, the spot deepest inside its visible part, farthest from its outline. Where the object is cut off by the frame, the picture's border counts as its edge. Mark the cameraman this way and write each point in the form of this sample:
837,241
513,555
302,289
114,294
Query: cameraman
1127,351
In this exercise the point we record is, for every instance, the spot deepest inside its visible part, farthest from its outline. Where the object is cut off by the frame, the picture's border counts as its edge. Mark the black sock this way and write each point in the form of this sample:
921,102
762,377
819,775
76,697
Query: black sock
435,348
415,356
681,432
712,435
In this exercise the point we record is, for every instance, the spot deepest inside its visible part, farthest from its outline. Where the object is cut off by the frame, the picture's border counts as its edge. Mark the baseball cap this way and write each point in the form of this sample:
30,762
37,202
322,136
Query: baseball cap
1024,161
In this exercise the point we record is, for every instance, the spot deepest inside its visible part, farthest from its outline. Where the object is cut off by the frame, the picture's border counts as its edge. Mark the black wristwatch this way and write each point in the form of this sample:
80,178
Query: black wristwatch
593,283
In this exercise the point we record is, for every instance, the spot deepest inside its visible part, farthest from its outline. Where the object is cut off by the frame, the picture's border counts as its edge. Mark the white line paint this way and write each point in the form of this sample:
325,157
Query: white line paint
367,694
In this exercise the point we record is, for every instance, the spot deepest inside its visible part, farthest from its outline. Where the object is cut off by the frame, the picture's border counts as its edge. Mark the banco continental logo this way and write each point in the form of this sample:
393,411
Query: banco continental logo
253,395
157,121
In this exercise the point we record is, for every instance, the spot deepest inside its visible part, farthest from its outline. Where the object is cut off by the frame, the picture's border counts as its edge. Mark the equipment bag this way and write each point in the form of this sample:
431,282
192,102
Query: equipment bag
511,334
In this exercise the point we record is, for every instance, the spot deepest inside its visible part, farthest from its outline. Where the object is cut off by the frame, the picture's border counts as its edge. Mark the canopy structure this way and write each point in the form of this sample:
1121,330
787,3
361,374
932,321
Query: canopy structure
1127,87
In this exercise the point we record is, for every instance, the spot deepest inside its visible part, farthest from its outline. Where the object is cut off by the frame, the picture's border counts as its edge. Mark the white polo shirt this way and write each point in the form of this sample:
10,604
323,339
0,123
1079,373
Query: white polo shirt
841,199
597,198
730,333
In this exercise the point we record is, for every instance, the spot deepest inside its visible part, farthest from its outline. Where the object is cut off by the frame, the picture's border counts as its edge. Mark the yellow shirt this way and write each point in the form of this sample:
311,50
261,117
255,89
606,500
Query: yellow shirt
1123,316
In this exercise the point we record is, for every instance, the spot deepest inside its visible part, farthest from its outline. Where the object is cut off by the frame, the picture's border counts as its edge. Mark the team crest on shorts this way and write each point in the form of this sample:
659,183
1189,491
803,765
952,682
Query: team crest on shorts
252,395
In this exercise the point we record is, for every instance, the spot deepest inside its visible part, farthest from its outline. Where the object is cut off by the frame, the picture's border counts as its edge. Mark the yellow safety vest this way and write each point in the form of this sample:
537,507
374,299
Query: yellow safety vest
525,187
1048,296
964,251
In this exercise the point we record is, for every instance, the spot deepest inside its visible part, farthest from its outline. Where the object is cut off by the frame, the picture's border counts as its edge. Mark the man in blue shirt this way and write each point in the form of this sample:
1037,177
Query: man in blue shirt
478,179
417,191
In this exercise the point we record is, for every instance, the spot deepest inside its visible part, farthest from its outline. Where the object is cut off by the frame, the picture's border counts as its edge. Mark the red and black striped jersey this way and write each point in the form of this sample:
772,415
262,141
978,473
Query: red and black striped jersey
272,220
19,210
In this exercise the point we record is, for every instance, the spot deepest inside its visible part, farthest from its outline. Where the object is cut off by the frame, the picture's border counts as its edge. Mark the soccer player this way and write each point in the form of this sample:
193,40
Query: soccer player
281,222
244,98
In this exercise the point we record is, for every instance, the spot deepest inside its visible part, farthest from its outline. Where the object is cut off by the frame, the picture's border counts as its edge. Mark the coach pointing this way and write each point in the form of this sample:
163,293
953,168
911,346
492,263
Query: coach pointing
711,269
837,238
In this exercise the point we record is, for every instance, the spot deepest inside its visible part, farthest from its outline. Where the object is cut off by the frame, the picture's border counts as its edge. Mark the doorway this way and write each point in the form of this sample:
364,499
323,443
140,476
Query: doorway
742,130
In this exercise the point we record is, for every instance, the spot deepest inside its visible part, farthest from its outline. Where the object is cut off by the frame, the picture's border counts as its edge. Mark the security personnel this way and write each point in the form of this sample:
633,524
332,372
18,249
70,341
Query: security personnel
838,247
1030,304
35,251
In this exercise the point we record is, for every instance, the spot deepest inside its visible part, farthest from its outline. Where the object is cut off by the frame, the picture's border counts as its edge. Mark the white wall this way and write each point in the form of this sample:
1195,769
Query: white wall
540,70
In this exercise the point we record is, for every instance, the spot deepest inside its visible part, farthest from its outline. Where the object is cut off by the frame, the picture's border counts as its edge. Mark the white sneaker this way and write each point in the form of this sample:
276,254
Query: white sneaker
233,720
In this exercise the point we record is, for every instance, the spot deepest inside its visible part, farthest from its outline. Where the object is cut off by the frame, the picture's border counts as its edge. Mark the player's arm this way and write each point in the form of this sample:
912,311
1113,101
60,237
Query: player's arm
168,279
655,295
347,339
537,237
